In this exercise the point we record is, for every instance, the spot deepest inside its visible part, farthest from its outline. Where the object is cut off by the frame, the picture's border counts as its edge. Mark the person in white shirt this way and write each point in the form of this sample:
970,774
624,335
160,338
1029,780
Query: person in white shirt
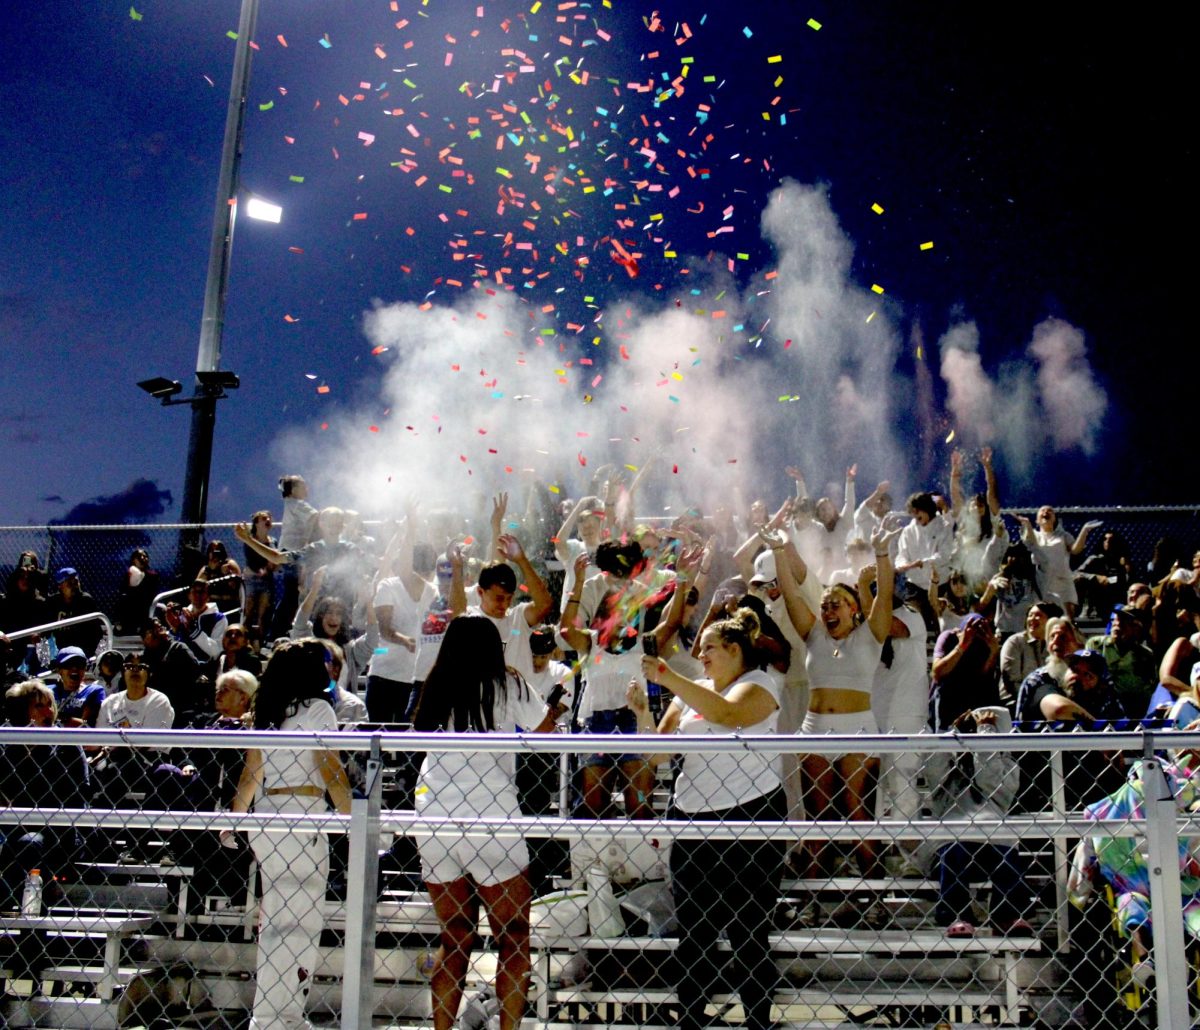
925,545
471,690
293,865
722,885
137,707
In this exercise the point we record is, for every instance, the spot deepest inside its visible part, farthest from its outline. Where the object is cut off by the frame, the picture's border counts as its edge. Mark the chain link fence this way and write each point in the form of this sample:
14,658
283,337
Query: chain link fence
1049,879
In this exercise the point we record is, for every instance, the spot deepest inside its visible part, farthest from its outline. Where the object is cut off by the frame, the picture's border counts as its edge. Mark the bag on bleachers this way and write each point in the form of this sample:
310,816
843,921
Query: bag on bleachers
625,861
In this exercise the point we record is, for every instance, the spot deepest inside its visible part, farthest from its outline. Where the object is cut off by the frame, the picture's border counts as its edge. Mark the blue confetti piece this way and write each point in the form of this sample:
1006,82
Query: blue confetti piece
325,43
746,32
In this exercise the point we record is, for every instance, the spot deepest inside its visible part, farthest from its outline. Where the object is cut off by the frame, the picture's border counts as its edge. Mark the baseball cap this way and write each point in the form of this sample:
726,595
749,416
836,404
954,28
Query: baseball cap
67,654
1093,660
764,568
66,572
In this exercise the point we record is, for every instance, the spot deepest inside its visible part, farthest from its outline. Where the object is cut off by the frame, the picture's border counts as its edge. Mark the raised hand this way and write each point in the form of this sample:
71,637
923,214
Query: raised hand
581,567
508,547
499,507
781,517
636,699
985,456
888,529
852,472
773,538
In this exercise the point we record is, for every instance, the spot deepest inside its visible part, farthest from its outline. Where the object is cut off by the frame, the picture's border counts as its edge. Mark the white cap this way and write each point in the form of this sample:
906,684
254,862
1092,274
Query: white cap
764,568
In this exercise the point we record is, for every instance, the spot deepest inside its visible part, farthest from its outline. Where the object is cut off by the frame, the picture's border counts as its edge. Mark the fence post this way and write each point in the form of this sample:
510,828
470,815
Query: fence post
1166,898
362,875
1062,858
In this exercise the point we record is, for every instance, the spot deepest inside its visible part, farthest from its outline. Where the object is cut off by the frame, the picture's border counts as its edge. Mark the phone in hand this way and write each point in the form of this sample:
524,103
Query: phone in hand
649,645
556,695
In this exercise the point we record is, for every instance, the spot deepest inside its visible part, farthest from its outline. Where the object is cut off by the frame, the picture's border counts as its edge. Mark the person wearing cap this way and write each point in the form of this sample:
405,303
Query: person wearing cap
965,670
70,601
1085,695
1130,661
78,704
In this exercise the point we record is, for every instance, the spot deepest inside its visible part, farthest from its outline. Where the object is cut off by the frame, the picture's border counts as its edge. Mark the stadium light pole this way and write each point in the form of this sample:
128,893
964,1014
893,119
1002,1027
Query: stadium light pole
212,324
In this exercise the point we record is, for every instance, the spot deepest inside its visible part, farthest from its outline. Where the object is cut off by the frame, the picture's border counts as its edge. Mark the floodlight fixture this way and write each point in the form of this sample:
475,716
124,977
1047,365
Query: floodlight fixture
263,210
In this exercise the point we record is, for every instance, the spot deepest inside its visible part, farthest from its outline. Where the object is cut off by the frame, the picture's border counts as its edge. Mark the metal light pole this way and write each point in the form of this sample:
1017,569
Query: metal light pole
208,356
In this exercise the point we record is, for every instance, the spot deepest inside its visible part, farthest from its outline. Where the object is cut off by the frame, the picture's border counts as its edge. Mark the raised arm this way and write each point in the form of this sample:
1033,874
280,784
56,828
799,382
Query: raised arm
458,590
956,490
745,705
272,554
989,473
802,616
1084,532
499,510
880,619
848,497
510,549
570,622
561,551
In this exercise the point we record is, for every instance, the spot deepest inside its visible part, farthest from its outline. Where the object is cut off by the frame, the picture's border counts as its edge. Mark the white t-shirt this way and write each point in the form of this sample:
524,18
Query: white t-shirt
901,697
514,631
435,616
847,664
574,548
606,676
152,712
298,768
391,660
551,676
713,782
481,782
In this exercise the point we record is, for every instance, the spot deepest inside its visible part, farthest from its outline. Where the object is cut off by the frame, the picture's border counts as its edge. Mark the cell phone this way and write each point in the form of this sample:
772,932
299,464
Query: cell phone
556,695
649,645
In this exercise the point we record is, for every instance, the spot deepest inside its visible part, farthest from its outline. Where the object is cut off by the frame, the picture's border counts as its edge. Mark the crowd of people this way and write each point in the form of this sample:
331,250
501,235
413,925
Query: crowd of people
804,617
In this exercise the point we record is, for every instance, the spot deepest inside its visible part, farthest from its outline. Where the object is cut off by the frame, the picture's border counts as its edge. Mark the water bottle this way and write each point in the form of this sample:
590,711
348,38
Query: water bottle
604,914
31,898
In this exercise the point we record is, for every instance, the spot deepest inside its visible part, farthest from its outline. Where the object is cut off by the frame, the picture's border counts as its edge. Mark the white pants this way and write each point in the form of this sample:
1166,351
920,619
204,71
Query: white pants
294,868
907,712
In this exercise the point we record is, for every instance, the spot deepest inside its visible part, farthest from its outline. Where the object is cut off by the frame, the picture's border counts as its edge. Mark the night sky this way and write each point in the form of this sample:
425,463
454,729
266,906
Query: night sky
1044,150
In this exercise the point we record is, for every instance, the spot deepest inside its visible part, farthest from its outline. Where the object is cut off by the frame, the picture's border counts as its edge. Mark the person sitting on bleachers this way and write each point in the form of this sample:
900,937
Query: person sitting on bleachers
25,599
236,653
965,671
1130,662
176,672
78,703
199,624
70,601
1062,641
979,786
1023,653
37,776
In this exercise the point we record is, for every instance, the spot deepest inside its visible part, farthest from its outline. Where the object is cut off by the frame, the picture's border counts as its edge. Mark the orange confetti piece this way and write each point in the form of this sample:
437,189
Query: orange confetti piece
322,389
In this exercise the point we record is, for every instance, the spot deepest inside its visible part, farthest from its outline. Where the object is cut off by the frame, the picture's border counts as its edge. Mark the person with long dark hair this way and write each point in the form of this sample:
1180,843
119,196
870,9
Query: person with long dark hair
471,690
292,695
722,885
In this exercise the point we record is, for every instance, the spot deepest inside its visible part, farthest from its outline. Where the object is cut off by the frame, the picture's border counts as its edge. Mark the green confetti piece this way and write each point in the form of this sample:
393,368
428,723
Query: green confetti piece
267,106
135,14
814,24
446,189
231,34
295,178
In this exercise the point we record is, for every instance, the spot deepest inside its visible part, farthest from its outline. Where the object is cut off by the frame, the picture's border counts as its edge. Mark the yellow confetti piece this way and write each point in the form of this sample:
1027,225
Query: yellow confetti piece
871,316
554,490
775,59
876,288
950,437
877,208
632,468
814,24
927,246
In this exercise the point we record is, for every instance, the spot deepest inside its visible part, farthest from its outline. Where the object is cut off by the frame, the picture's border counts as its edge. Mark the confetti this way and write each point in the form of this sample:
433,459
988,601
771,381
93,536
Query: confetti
877,208
135,14
927,246
813,24
876,288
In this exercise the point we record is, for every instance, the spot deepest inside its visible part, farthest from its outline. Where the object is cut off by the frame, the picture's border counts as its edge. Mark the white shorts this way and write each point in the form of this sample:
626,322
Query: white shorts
486,860
843,724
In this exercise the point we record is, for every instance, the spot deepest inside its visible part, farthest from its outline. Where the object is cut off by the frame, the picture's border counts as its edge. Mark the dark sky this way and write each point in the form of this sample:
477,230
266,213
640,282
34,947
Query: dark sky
1046,150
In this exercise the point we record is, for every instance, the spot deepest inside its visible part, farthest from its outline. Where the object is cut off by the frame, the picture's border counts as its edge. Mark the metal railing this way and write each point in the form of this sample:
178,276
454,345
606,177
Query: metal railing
1162,828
